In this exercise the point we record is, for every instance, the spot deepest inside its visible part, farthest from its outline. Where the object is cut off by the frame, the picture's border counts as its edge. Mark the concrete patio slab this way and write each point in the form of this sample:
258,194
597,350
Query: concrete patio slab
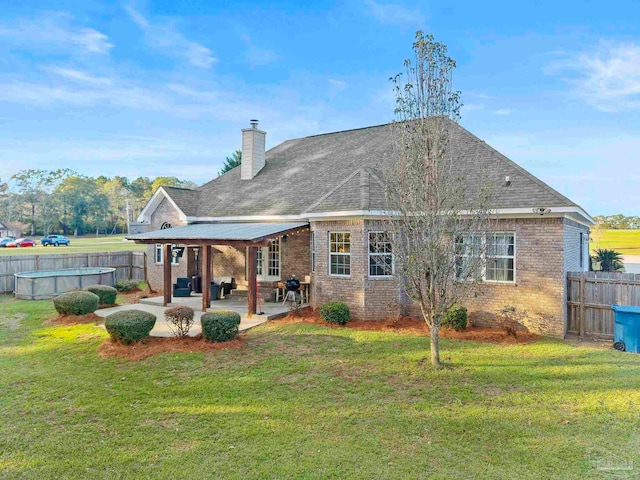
161,328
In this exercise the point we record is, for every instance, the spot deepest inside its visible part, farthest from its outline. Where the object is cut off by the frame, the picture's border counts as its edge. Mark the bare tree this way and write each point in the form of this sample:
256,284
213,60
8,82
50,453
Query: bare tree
439,222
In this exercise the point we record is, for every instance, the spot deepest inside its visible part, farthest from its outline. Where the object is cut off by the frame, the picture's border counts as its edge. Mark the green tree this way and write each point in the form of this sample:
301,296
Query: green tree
609,260
235,160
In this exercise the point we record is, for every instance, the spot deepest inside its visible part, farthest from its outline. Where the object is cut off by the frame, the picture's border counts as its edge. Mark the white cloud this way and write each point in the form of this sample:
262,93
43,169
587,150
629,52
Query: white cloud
503,111
79,75
337,85
257,56
607,77
54,32
164,37
394,14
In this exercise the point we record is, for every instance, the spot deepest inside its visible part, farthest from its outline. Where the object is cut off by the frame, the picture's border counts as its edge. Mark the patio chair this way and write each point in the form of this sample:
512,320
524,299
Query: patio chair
182,287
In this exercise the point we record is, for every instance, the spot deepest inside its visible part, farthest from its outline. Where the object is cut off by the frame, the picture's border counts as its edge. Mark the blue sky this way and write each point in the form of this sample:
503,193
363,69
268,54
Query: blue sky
164,87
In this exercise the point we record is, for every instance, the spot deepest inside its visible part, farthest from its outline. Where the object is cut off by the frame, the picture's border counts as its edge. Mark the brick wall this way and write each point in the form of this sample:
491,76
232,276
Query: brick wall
542,256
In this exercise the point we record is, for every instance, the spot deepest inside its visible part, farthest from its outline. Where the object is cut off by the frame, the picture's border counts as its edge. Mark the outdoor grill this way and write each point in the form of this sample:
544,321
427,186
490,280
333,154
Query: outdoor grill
292,285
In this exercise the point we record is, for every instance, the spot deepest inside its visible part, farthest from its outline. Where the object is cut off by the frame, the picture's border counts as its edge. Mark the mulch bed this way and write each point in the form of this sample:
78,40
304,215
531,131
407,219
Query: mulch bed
156,345
414,326
70,320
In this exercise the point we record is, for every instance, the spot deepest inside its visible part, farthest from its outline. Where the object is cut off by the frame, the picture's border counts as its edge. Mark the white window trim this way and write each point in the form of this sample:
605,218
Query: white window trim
342,254
515,253
160,246
312,234
483,261
264,277
484,257
369,254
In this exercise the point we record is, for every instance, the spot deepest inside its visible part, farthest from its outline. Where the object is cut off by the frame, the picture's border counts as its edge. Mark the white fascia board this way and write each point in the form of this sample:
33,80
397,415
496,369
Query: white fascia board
154,202
576,213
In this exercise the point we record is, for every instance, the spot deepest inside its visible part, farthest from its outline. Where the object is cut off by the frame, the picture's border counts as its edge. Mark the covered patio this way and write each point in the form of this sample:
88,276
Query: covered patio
249,236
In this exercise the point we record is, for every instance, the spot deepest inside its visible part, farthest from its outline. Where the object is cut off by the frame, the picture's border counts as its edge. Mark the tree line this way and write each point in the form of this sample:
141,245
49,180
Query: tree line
618,222
41,202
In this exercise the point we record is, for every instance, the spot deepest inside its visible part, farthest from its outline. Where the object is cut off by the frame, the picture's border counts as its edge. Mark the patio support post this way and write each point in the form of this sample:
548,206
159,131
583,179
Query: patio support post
167,274
253,285
206,277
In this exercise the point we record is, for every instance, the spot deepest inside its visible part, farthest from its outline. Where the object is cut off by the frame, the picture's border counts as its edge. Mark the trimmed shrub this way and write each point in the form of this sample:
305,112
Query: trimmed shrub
180,319
456,318
76,303
335,312
129,326
220,326
126,286
106,294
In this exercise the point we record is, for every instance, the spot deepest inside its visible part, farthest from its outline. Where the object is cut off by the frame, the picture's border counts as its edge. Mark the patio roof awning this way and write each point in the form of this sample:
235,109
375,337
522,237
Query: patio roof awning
222,233
205,235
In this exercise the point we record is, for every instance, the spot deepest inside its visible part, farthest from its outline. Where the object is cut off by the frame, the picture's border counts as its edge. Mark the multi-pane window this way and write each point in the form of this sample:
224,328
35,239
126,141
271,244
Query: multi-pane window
340,253
273,268
259,262
380,254
159,254
313,251
268,261
468,249
501,257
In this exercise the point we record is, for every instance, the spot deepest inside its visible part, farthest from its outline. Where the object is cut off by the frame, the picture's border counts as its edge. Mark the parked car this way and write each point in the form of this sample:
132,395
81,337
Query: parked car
55,240
4,241
21,242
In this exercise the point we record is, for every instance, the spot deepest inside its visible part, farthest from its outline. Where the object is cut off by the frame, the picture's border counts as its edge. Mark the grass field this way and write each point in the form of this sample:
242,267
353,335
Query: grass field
304,401
623,241
114,243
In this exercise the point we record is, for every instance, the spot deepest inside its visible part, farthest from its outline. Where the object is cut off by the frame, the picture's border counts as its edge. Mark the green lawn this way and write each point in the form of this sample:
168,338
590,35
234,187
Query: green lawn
623,241
304,401
113,243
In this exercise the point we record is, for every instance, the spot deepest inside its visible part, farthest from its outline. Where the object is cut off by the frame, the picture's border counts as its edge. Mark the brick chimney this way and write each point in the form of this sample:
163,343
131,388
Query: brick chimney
253,145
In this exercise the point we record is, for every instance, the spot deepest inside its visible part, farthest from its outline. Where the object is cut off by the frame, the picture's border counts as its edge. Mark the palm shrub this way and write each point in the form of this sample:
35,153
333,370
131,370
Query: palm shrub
609,260
455,317
220,326
335,312
76,303
180,320
129,326
105,293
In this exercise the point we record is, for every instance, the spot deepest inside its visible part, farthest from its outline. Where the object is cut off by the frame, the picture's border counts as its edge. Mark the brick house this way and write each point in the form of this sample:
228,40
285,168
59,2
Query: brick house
330,186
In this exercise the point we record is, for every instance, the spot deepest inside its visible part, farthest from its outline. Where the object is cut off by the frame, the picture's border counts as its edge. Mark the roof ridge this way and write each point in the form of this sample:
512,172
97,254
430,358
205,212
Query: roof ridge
344,131
180,188
515,165
332,191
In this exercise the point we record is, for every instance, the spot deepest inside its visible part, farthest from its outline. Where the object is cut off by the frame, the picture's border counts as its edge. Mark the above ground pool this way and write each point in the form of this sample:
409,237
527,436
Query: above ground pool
51,283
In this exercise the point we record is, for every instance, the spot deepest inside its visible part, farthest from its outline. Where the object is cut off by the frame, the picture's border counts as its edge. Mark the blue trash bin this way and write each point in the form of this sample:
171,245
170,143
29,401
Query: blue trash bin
626,328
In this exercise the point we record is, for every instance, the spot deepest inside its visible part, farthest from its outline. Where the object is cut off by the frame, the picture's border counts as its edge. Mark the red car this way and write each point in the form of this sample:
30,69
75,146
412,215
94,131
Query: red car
21,242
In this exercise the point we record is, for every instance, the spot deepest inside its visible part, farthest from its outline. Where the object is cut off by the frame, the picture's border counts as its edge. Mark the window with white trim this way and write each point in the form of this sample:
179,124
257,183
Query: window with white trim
340,254
468,248
273,252
259,261
159,255
380,254
268,261
312,247
501,257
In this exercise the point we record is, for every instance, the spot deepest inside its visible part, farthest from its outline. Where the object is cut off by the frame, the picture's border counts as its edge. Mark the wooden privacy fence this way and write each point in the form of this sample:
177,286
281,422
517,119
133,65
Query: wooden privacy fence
128,265
590,296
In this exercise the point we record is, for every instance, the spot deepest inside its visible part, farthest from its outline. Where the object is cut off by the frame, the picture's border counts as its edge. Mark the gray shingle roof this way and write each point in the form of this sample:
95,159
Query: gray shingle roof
342,171
185,198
